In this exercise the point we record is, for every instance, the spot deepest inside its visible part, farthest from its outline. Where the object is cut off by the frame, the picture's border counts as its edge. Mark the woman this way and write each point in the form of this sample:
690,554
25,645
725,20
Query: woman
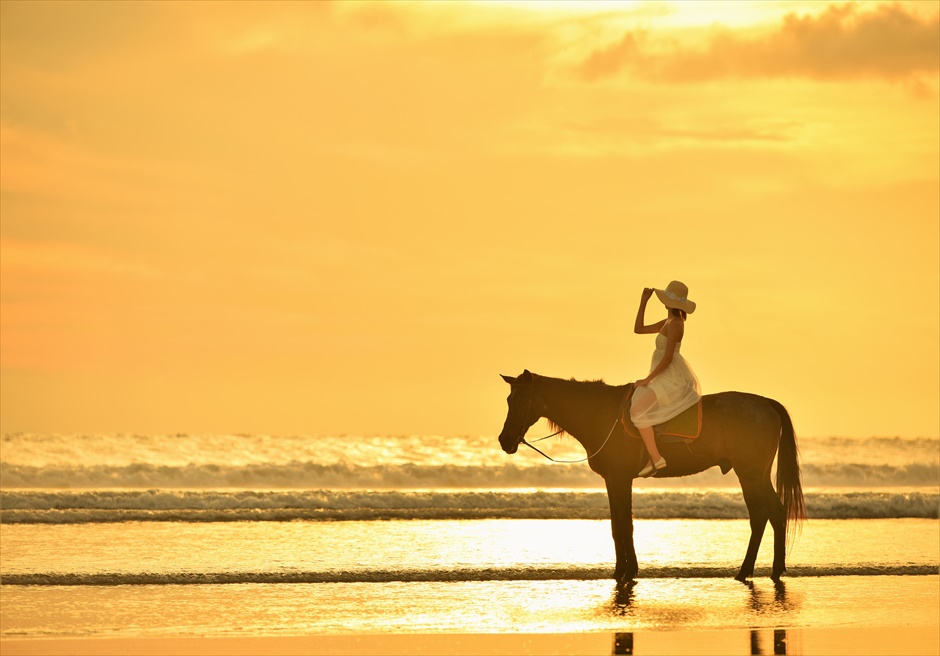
671,385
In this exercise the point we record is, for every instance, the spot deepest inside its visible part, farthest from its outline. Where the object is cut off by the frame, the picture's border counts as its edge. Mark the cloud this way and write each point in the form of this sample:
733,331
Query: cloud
840,43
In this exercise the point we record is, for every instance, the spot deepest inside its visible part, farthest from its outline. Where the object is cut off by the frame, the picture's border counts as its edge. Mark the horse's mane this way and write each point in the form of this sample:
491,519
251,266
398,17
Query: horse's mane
584,386
556,428
596,381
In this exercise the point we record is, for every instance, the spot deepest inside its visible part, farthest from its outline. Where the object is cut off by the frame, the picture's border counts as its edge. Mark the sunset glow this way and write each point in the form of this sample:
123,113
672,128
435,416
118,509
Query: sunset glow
326,218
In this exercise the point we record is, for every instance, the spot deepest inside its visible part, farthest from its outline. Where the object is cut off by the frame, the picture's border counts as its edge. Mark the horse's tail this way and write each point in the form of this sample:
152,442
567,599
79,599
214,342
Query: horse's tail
789,486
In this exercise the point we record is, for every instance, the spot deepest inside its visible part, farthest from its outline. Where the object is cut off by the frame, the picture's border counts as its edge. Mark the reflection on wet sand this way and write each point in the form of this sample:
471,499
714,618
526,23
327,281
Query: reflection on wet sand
759,602
762,606
623,598
623,643
781,645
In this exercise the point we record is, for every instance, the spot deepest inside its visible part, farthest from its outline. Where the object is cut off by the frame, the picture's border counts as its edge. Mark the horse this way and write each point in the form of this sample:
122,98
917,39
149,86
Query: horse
739,431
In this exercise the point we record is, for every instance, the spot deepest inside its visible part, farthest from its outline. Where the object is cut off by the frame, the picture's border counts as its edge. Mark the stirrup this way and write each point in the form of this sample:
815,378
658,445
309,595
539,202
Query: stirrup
652,468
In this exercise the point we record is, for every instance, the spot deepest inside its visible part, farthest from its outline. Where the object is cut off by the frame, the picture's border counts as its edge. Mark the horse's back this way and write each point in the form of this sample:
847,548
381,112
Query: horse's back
753,405
742,420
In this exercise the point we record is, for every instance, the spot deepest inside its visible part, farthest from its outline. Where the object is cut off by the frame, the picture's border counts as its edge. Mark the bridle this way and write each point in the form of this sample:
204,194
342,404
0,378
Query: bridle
525,416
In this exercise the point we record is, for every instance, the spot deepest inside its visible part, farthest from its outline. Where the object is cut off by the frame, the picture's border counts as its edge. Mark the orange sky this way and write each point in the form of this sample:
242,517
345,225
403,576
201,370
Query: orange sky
350,218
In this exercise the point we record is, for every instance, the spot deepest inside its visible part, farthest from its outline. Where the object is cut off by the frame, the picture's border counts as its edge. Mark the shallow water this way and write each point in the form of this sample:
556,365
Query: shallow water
257,535
468,607
297,578
444,550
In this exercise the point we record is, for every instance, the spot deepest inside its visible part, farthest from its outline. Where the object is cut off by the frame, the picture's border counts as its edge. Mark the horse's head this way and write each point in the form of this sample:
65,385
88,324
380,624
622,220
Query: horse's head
524,410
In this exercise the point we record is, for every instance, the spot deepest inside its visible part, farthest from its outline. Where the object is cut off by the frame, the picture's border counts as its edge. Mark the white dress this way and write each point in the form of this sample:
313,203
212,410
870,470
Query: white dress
673,390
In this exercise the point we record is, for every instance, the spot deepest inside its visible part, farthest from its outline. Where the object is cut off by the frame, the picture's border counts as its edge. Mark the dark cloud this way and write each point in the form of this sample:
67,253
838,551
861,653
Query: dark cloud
841,43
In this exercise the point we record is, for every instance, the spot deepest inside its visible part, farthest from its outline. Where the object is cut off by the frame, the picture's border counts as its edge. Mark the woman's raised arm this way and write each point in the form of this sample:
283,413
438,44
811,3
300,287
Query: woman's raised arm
638,327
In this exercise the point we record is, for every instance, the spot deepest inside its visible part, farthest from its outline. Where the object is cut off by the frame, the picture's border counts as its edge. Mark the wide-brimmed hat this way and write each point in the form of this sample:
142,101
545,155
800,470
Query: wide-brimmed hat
676,295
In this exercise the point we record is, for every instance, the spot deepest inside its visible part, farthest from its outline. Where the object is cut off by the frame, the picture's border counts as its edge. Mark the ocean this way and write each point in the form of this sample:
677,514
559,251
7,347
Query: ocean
316,535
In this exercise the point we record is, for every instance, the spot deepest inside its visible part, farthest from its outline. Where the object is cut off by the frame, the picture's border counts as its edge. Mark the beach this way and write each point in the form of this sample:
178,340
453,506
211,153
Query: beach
305,307
914,641
213,544
668,616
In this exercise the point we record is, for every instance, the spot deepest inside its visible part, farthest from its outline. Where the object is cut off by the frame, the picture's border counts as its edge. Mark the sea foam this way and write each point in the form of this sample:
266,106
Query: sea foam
74,507
442,575
299,474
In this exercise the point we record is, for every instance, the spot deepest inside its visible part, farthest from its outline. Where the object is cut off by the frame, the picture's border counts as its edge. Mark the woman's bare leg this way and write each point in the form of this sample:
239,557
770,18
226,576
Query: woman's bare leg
642,403
649,439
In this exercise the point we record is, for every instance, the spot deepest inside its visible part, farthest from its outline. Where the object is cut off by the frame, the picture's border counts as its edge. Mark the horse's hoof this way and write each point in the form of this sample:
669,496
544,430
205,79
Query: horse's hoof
742,577
775,575
628,577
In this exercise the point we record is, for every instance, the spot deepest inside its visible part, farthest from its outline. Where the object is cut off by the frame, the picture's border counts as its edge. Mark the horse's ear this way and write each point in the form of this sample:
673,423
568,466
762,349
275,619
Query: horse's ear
526,376
508,379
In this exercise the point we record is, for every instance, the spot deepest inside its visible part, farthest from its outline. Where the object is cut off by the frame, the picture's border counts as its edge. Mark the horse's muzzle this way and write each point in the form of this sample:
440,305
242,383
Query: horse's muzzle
508,445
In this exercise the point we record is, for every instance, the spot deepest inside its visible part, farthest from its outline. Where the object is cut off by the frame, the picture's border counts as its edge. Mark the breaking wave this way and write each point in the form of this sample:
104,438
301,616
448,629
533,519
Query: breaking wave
77,507
344,475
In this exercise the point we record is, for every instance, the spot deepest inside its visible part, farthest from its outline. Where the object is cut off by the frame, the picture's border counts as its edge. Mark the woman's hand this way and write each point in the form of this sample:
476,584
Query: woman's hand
639,326
642,383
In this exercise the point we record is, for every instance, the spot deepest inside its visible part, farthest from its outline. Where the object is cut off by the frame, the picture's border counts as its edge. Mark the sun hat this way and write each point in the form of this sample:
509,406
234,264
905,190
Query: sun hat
676,295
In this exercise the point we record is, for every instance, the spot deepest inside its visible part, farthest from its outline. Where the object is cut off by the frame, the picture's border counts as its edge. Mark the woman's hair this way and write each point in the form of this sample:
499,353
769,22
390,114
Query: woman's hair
676,312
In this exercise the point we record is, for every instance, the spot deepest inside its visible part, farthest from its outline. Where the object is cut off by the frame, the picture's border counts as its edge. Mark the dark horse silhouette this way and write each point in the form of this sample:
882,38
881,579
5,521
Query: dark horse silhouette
739,431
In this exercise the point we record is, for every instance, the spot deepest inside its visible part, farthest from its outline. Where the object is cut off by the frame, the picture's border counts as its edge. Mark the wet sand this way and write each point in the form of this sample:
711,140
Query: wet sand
902,640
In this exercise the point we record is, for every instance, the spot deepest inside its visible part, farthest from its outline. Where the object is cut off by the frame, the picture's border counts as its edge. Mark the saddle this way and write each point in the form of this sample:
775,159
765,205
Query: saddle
685,426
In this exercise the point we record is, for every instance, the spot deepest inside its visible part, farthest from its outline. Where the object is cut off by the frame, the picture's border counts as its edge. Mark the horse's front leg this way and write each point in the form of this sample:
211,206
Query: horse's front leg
620,497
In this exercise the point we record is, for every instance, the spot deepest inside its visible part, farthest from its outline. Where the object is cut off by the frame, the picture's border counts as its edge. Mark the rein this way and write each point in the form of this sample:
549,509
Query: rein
522,440
557,432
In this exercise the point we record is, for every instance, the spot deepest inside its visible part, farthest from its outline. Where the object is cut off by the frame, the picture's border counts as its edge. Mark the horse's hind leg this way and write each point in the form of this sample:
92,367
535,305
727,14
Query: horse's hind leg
755,498
778,520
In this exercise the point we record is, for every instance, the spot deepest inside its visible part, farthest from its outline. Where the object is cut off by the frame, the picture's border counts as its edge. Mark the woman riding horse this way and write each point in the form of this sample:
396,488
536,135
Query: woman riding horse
739,431
671,386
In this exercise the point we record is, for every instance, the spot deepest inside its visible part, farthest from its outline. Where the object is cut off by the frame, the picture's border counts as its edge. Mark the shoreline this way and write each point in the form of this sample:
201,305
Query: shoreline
914,640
